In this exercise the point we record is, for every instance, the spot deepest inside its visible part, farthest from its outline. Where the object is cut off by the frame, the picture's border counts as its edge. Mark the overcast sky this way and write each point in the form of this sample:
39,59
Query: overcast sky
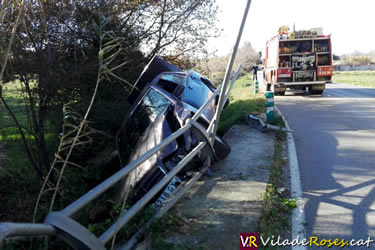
351,23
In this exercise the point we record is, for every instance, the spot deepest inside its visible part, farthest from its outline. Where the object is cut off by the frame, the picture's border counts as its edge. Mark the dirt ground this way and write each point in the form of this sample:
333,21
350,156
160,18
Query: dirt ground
217,208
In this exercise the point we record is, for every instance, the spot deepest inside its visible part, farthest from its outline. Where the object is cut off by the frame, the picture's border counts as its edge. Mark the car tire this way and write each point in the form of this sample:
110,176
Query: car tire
217,102
222,149
317,92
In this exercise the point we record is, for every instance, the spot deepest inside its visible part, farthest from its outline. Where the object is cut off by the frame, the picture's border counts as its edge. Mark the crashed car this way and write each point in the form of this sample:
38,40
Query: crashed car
163,99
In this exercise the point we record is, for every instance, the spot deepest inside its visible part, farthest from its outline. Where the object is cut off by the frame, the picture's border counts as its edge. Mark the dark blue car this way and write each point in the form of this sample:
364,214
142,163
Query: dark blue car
163,98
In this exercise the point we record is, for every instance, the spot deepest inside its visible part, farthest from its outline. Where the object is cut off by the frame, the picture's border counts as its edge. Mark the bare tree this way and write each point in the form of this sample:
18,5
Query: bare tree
246,56
178,28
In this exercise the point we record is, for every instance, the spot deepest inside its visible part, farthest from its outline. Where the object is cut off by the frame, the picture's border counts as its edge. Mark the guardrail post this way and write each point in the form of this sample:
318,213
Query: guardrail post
270,113
72,232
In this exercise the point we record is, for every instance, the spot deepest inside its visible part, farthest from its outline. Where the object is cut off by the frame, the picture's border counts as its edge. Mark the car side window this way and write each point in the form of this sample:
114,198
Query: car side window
176,78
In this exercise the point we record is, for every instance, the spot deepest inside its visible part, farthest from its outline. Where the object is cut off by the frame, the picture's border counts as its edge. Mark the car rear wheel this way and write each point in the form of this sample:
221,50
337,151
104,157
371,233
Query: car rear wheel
222,149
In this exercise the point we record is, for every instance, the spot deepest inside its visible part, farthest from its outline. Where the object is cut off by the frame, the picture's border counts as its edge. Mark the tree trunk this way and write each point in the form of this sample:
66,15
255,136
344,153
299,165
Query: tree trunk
42,142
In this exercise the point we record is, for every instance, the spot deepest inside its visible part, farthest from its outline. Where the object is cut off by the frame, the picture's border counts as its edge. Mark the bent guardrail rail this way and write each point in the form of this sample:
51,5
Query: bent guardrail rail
61,224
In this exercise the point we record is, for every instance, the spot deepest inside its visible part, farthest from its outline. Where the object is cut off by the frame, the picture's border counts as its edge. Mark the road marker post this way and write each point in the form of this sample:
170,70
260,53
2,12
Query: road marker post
270,113
256,87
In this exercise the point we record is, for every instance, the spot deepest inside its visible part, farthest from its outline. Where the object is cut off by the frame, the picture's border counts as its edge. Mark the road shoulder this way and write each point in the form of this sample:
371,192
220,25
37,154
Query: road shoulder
298,215
217,208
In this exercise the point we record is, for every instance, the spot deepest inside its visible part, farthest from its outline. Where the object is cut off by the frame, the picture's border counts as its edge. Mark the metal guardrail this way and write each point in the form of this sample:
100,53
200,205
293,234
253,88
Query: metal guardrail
64,227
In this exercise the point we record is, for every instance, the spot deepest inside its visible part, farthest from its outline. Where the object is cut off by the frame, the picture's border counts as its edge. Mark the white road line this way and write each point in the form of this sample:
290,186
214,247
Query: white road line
298,215
331,93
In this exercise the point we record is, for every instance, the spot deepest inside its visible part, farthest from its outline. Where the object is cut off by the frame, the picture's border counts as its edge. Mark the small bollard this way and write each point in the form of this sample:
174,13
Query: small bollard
256,87
270,113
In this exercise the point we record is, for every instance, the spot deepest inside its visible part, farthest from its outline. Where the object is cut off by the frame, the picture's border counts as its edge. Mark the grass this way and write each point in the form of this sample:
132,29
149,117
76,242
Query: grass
243,101
9,135
276,208
361,78
12,94
14,174
19,183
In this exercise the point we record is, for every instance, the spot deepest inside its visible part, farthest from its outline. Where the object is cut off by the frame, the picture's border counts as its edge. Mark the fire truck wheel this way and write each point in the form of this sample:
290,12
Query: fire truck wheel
317,92
280,93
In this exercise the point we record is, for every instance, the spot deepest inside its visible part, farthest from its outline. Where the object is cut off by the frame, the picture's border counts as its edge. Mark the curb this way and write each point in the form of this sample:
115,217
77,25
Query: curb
298,215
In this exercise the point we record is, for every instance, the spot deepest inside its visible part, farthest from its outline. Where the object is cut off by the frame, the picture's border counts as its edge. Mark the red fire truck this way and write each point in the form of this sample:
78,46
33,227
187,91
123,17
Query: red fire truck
298,60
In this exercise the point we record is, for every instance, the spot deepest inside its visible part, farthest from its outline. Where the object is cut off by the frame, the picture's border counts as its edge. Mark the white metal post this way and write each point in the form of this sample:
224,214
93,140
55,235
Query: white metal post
228,71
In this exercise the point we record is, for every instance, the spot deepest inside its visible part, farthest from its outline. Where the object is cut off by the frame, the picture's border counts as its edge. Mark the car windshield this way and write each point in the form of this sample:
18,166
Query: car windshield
146,112
196,92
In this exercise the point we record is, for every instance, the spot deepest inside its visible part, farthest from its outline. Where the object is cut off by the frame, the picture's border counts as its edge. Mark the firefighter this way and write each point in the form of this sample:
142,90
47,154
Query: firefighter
255,70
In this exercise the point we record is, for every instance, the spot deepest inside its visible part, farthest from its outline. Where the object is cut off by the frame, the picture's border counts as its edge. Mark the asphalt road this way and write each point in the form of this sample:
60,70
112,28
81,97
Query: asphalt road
335,142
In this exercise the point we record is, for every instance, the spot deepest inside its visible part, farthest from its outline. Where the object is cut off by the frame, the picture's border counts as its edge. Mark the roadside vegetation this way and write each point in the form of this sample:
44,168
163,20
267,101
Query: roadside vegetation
242,101
356,58
214,66
16,200
360,78
277,205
